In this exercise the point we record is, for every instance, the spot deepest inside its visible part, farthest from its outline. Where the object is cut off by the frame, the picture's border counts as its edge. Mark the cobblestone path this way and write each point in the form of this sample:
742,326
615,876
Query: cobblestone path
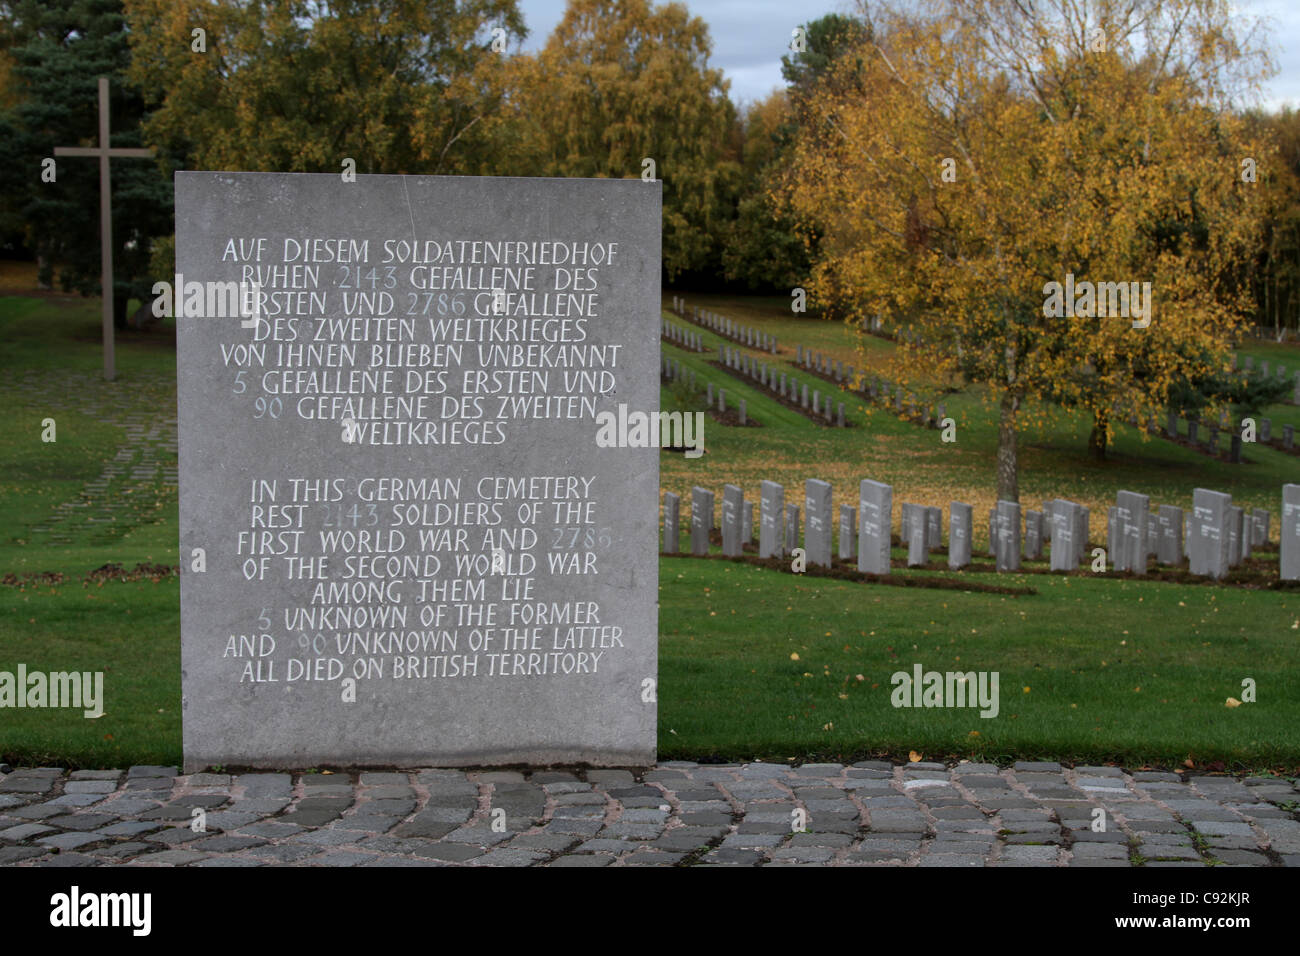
678,814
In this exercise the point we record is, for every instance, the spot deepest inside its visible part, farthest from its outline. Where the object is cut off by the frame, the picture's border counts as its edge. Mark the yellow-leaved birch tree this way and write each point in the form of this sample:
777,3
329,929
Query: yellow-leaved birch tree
992,149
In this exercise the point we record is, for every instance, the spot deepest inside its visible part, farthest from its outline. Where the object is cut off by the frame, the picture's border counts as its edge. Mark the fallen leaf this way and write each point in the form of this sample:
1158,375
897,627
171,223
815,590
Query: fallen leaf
913,756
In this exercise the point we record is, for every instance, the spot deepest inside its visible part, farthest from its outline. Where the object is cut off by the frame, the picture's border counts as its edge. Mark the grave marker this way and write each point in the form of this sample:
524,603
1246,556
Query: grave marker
1207,545
771,511
817,532
733,504
1169,549
701,519
1065,525
672,510
410,512
848,531
1007,515
960,526
875,521
1289,532
916,535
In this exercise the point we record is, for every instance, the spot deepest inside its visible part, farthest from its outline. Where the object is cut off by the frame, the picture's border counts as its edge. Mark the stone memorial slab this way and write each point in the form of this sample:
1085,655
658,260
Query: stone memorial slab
848,531
771,516
1113,538
1207,546
1033,535
791,528
672,517
733,510
1289,541
1169,547
1247,533
1234,536
993,532
1131,510
1260,519
1065,524
419,550
701,519
961,523
1081,532
917,535
933,528
1007,515
817,531
875,523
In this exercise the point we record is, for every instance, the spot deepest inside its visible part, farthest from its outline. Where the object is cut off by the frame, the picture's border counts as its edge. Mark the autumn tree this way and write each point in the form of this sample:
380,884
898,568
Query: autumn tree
763,249
991,149
1275,274
398,86
620,82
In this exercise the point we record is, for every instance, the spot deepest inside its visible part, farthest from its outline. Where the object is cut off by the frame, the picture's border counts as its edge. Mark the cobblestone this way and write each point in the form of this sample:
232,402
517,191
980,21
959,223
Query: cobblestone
677,814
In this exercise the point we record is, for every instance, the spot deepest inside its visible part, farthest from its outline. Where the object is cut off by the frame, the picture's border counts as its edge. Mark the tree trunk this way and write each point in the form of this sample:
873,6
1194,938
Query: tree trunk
1008,475
1100,433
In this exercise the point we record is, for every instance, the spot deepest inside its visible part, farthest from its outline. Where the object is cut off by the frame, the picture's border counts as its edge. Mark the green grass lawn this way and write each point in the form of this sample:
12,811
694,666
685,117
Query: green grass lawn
1116,669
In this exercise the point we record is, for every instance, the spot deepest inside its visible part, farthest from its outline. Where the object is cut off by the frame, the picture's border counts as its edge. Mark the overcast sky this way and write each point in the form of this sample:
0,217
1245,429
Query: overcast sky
749,37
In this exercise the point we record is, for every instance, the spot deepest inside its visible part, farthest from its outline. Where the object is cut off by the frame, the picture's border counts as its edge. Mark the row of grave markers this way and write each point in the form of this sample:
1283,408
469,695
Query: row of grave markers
671,370
786,386
745,335
874,387
682,338
1249,366
1263,436
1219,536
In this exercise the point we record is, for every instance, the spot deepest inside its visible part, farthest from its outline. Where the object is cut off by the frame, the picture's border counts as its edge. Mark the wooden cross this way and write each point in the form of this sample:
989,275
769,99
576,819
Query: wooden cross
105,152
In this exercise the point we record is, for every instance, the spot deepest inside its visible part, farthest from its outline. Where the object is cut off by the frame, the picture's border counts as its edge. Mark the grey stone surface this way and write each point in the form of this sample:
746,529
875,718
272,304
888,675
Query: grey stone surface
701,519
1065,523
1033,535
875,523
960,527
1207,547
1289,533
771,520
733,512
791,528
1234,535
1131,510
848,532
1169,549
1260,519
269,451
672,522
682,813
916,534
817,531
933,528
1007,518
